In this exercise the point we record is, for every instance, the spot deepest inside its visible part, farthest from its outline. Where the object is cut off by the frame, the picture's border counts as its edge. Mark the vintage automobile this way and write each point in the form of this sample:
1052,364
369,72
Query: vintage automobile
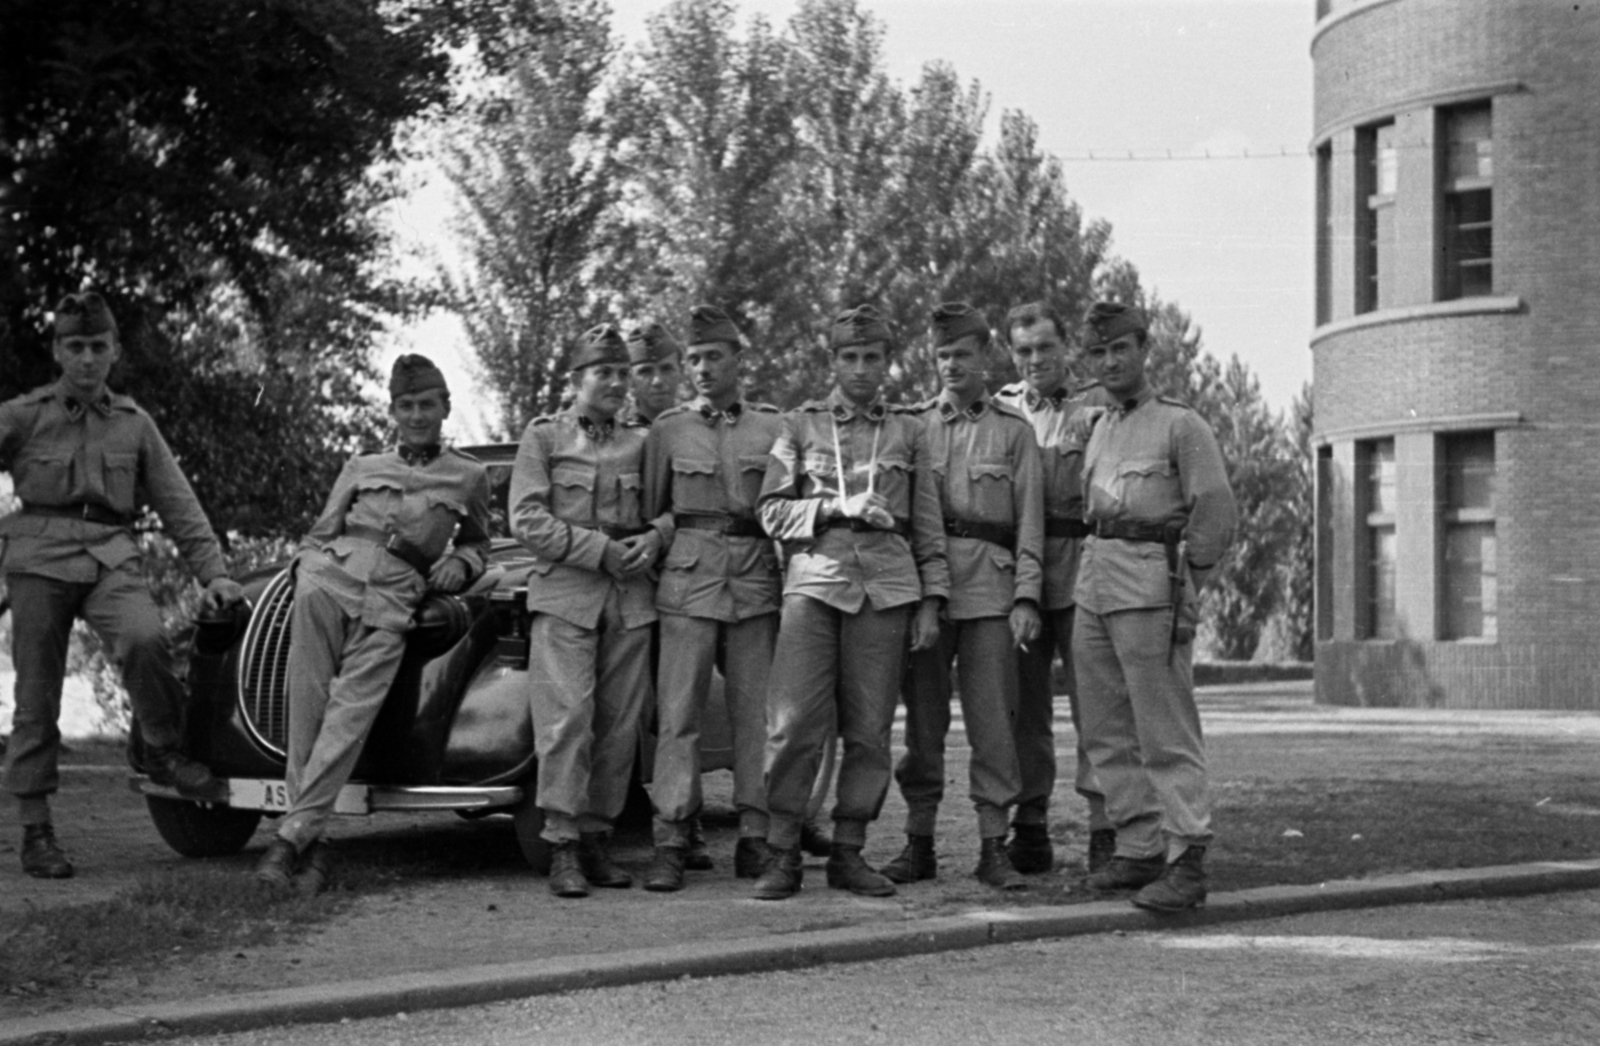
454,734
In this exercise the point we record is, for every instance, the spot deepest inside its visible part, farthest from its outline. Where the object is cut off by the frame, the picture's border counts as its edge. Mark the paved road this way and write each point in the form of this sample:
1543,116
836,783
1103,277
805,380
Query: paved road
1505,971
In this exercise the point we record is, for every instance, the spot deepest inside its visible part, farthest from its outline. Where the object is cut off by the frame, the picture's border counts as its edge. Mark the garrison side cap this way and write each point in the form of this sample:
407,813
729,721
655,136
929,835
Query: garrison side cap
650,342
954,320
707,323
861,325
599,344
414,372
84,314
1110,320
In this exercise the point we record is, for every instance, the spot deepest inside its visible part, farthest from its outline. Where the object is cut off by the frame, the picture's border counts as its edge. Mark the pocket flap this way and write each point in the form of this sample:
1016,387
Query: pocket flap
571,476
1147,467
993,470
693,466
631,481
753,462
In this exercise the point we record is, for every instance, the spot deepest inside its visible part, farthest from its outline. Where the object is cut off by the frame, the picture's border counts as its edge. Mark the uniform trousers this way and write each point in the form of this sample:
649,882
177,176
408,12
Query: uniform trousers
589,686
830,666
987,669
1142,730
118,606
695,645
1036,745
340,671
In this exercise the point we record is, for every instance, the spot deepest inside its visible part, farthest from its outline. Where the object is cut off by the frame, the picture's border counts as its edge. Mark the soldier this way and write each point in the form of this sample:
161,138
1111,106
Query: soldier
1045,396
575,504
84,461
656,374
718,593
363,568
1162,514
987,469
850,486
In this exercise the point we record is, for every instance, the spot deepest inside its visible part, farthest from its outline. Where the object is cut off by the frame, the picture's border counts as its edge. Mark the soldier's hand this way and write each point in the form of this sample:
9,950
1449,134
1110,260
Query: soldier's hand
221,593
925,626
448,575
642,551
614,560
1025,623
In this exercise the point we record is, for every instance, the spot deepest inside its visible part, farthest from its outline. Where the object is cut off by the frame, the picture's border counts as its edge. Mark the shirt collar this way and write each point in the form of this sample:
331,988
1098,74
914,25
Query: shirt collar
76,407
844,409
951,413
419,455
713,415
597,431
1133,403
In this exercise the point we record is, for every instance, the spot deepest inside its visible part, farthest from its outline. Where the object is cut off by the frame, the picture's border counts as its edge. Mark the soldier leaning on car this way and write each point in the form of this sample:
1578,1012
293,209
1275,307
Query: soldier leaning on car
84,460
575,504
986,466
363,568
718,593
850,484
1047,398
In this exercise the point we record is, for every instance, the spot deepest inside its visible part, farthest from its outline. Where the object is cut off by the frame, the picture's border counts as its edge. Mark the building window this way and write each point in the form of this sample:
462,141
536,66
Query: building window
1467,223
1377,178
1324,233
1375,467
1468,536
1324,543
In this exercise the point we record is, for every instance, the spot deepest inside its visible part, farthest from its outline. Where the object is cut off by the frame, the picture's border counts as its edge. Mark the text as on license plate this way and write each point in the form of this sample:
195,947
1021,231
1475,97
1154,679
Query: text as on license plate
253,794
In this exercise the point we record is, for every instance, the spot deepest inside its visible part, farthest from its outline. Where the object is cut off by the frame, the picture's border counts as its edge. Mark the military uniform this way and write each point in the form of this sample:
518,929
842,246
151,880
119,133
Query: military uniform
1151,468
576,486
718,594
986,467
848,595
361,573
1061,461
82,472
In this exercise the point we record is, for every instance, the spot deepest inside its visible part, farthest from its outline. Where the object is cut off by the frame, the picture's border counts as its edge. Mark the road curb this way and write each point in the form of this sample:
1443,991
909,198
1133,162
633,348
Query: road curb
475,985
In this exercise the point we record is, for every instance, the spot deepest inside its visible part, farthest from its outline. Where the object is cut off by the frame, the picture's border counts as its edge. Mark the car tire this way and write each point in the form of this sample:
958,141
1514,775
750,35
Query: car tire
529,821
194,830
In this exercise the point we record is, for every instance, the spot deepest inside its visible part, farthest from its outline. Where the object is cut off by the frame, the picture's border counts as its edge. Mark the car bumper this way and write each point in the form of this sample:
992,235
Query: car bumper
272,796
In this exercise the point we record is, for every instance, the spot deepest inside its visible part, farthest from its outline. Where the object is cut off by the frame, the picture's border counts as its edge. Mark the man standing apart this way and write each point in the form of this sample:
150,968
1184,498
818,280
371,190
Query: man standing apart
1046,398
850,484
991,493
1162,515
84,461
718,593
575,504
363,569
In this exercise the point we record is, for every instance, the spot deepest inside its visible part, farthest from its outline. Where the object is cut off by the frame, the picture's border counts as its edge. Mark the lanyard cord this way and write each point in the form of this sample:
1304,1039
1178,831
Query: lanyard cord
838,457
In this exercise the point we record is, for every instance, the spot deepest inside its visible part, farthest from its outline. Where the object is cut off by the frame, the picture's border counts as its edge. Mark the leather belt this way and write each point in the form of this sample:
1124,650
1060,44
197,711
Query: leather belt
1063,527
86,510
1137,530
994,533
901,526
394,544
733,526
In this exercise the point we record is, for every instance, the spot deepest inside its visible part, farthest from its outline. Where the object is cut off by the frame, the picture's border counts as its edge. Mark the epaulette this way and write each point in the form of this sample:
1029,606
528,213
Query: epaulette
121,402
40,394
1013,391
634,421
545,419
1173,401
814,407
915,408
762,408
1010,410
1092,383
670,412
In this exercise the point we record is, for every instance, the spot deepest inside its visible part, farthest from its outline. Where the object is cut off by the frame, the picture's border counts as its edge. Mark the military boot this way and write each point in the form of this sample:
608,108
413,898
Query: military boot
42,856
316,873
751,855
665,874
173,769
597,865
994,866
815,841
1127,873
847,870
782,878
566,871
1102,847
1182,885
915,863
698,859
1030,850
275,870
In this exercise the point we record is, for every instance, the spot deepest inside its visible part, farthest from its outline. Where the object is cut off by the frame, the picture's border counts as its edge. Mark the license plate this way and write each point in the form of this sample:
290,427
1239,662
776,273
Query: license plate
251,793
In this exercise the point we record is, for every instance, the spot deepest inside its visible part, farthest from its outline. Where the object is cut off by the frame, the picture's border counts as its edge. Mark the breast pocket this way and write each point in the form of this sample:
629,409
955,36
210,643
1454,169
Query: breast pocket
1146,488
122,480
694,485
572,493
630,488
752,471
44,478
990,483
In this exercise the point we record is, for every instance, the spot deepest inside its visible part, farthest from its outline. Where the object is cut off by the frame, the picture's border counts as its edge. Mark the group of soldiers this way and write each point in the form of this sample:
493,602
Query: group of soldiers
831,562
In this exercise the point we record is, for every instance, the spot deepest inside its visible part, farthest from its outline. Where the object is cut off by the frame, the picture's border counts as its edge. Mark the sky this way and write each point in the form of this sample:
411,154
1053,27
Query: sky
1229,238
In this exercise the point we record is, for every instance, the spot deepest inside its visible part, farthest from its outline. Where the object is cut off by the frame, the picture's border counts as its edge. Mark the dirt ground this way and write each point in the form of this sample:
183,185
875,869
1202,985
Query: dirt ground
468,898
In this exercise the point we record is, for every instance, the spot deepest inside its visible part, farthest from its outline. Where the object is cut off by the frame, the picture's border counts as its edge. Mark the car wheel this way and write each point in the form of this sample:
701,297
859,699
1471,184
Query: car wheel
202,831
529,820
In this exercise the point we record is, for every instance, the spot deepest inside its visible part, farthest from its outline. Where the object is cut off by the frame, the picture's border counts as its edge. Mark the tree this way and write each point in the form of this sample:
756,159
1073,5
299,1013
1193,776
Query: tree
194,160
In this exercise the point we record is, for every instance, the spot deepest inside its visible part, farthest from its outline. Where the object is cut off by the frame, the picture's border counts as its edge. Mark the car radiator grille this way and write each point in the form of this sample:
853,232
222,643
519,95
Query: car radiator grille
264,665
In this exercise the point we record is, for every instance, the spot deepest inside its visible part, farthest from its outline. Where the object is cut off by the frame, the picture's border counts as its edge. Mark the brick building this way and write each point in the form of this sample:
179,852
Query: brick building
1457,353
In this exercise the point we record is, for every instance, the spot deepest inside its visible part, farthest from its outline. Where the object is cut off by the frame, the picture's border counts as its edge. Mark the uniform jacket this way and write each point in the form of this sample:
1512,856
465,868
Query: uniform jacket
987,468
570,477
61,453
423,503
841,567
1061,445
1151,460
703,461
